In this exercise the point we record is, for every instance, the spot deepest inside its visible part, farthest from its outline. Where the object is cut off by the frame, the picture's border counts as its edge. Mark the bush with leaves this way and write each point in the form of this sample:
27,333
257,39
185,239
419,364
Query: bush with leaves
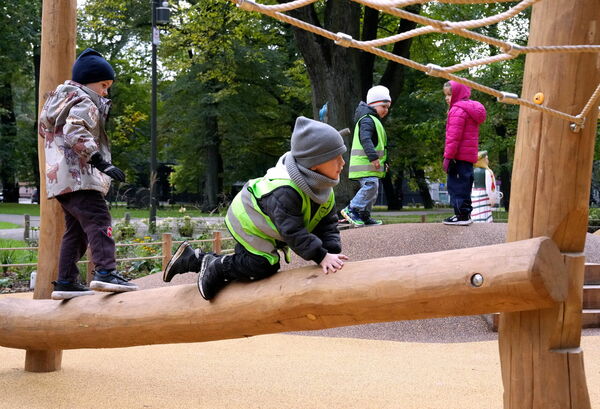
124,230
15,278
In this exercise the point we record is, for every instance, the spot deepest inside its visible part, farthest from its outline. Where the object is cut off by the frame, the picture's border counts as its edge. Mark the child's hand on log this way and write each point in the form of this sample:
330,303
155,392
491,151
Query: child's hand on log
332,262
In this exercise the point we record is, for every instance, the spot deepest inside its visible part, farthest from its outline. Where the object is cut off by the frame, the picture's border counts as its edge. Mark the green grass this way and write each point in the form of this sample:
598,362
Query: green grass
116,212
500,216
16,256
20,208
8,225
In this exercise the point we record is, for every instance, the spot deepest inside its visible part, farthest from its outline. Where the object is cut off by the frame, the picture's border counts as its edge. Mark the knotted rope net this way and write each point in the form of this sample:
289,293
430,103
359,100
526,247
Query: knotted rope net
429,25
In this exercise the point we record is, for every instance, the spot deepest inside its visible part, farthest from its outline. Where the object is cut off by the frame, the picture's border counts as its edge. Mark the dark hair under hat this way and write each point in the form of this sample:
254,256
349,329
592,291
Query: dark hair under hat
90,67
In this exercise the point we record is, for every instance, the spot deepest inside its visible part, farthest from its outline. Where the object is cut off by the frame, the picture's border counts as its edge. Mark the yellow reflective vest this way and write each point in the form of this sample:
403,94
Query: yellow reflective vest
360,165
255,230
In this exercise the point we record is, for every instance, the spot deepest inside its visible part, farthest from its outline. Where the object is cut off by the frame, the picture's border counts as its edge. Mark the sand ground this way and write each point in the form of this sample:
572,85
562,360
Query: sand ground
448,363
273,371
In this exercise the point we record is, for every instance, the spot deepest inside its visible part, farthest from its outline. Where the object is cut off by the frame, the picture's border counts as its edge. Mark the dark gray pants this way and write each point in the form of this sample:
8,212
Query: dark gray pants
87,221
246,266
460,182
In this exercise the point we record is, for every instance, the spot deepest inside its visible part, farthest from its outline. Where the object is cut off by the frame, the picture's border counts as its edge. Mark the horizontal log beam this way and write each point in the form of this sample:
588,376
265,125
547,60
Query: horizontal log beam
517,276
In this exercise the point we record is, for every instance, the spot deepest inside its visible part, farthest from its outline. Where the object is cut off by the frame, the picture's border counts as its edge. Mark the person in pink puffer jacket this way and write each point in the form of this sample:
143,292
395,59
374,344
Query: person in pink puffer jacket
461,148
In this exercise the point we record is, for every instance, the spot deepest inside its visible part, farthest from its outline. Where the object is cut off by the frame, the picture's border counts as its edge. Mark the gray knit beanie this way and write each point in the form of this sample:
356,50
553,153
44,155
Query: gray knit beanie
314,142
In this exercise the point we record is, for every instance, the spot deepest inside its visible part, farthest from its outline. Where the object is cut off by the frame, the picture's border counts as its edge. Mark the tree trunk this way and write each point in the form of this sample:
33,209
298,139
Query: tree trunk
36,72
212,157
399,188
341,76
394,201
8,134
423,187
393,76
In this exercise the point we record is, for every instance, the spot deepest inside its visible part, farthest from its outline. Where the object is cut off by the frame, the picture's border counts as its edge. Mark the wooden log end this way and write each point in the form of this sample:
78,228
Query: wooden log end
550,265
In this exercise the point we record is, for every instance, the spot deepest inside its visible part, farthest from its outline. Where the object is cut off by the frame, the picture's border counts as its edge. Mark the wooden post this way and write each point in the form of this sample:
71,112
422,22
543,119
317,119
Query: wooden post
167,246
57,57
27,228
540,354
217,247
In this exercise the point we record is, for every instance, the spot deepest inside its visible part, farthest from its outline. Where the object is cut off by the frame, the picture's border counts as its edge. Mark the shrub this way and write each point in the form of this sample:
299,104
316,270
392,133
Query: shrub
124,230
185,226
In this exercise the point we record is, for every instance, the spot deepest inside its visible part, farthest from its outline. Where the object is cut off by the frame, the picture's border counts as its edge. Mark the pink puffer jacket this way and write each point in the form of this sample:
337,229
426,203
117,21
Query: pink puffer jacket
462,126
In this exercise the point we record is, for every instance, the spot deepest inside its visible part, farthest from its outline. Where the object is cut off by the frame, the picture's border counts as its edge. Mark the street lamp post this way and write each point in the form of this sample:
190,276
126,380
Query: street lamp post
160,16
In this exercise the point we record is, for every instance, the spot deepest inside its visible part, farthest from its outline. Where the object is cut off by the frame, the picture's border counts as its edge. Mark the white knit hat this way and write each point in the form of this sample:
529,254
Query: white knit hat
378,95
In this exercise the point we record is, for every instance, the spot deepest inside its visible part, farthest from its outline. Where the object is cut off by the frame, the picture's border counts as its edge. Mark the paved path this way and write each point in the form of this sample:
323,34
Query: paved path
17,233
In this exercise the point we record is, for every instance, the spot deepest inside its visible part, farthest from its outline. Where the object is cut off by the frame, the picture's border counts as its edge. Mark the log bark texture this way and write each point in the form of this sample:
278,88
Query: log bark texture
516,276
59,19
542,364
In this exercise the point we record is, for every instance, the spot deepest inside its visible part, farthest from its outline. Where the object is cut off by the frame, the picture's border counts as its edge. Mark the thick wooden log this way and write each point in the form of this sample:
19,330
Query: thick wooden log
516,276
549,197
57,56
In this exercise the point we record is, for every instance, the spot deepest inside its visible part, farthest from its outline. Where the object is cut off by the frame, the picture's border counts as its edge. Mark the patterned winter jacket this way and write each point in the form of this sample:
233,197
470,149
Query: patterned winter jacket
72,124
462,126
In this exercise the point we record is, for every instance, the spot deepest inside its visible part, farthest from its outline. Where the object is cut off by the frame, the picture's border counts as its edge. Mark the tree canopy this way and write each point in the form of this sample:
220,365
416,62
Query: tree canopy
232,84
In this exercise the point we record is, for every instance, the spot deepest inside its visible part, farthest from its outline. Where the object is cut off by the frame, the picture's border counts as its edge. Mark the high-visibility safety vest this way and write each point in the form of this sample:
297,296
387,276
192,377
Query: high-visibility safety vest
254,230
360,165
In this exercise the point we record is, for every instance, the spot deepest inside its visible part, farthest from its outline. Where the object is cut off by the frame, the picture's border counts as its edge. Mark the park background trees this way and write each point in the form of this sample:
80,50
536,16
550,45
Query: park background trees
232,83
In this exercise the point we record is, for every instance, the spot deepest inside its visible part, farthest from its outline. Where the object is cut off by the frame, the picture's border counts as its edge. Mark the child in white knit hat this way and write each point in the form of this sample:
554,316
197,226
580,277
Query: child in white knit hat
290,208
368,158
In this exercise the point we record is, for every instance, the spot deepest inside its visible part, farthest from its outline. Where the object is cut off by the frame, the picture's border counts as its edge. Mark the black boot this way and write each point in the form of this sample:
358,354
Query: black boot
212,277
366,217
184,260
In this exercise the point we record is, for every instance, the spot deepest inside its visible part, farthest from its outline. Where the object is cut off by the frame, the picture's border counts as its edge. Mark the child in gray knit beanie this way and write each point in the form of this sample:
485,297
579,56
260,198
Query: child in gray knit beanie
309,164
290,208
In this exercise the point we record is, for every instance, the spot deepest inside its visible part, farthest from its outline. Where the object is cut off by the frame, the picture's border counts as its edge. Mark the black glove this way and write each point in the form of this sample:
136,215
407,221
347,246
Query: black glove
106,167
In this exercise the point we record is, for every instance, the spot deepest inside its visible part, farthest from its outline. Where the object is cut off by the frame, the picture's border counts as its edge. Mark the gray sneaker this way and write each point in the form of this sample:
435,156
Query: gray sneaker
111,282
68,291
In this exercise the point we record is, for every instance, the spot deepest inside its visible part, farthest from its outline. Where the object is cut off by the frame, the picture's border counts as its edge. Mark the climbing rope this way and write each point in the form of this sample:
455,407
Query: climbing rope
461,28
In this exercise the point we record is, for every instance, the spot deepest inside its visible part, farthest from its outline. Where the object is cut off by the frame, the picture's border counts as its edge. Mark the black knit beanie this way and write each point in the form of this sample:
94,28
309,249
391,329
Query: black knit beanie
90,67
314,142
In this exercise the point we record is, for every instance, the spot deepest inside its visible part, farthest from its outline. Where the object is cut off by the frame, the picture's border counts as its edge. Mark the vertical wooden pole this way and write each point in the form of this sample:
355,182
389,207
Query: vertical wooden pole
217,247
57,57
540,354
167,247
27,228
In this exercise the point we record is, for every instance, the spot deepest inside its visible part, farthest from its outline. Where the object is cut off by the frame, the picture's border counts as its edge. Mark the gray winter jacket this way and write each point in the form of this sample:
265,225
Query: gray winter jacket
72,124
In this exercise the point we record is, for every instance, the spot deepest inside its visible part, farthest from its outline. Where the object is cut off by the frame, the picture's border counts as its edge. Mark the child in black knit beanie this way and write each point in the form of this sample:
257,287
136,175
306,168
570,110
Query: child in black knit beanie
79,172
